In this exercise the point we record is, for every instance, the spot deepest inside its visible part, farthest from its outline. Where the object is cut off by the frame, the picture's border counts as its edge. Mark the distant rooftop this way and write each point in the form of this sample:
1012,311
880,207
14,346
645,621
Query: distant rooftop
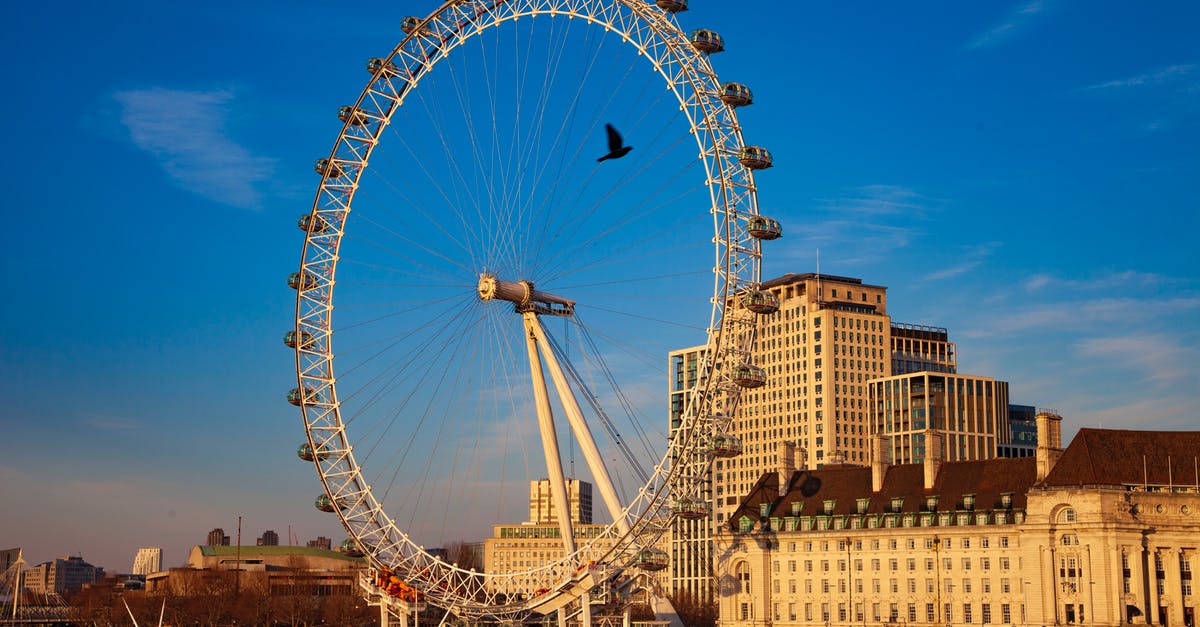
250,551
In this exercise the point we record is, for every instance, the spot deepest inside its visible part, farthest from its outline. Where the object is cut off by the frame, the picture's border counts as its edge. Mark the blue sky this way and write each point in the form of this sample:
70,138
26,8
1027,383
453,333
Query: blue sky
1022,173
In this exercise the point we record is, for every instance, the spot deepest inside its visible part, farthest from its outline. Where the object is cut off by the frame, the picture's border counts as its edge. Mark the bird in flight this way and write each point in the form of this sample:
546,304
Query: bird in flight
616,149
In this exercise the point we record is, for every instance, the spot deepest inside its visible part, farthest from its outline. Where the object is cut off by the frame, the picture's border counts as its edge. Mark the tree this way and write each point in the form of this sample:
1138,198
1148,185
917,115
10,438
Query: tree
694,611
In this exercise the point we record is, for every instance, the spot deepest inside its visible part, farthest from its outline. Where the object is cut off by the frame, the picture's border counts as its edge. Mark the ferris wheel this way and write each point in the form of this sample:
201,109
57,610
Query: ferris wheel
506,298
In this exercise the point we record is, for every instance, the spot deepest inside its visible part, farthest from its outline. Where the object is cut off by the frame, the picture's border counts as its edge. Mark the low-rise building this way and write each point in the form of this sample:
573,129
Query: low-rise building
1104,533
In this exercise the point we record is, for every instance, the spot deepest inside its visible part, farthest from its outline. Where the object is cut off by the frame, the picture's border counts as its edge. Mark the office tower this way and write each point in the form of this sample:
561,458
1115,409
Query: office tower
829,338
970,413
541,502
689,543
61,575
217,537
918,348
269,538
1022,432
148,560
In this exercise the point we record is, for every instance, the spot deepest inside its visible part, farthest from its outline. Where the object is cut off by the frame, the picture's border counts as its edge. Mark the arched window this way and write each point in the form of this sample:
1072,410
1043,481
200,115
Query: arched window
1067,515
742,572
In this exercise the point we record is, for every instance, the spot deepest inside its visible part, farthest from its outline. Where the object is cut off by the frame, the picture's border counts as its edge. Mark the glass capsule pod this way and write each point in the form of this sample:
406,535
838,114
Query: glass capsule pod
297,397
749,376
691,509
352,115
326,504
310,223
651,559
736,95
350,548
303,339
762,227
409,24
756,158
708,41
376,65
301,281
724,445
307,453
761,302
672,6
325,165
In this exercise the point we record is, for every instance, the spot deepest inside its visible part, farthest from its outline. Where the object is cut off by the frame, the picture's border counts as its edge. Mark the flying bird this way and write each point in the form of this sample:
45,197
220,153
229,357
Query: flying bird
616,149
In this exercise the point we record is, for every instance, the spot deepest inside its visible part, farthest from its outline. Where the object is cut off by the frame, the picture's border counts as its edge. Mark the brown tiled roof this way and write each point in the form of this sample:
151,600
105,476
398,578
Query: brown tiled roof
845,484
1120,457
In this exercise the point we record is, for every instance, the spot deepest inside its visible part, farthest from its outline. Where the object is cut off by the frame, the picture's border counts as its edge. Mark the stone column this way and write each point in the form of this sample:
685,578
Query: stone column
1174,589
1152,586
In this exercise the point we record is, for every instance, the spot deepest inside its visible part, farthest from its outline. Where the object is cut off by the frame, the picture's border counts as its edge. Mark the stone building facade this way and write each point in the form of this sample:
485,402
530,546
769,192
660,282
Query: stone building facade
1105,532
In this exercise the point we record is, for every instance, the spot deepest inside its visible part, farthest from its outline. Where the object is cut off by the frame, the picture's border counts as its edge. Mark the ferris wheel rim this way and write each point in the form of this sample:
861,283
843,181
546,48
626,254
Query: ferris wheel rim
348,487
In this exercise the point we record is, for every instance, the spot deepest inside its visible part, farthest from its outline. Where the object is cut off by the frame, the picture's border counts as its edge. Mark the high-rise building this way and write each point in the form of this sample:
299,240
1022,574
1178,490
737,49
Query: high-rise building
61,575
970,413
148,560
1022,432
320,543
689,541
541,502
829,338
269,538
918,348
217,537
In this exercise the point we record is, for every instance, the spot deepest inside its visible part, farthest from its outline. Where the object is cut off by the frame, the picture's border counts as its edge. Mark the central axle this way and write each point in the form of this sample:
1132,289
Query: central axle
524,298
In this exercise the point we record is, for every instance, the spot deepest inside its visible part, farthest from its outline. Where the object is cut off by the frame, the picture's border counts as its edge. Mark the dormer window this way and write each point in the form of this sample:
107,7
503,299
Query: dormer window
968,501
745,523
1006,500
764,509
931,502
796,507
829,505
897,503
862,505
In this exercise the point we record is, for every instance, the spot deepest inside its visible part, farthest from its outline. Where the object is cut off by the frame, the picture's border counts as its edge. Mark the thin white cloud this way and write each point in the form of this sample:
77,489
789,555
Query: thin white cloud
1076,315
185,130
1162,359
1156,77
972,258
1016,20
1126,278
862,225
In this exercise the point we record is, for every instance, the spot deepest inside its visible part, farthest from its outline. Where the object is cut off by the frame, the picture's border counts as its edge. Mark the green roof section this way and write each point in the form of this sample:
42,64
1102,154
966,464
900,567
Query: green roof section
251,551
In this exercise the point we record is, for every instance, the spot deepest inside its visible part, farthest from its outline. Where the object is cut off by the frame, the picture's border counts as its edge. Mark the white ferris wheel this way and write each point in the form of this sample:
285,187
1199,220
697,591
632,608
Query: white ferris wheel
482,303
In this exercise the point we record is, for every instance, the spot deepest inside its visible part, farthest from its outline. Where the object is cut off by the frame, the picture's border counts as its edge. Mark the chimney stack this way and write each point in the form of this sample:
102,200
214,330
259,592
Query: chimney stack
935,454
786,452
1049,442
880,460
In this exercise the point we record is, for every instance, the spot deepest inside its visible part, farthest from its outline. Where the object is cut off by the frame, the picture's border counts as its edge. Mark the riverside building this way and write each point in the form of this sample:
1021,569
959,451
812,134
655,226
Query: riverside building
1081,536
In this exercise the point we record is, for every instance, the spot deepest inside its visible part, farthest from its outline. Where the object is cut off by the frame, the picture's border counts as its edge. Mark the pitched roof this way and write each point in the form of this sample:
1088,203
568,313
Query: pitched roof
1123,457
987,480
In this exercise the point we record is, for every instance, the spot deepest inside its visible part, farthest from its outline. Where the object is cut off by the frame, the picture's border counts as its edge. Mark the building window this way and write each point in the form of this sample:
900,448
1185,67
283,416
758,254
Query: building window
1005,613
967,613
987,613
929,615
1067,515
1185,575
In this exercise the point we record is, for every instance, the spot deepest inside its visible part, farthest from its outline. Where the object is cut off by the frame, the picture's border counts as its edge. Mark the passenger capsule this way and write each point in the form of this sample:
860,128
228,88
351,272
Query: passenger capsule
756,158
307,453
707,41
724,445
301,281
650,559
297,397
353,116
749,376
326,165
691,509
736,95
762,227
761,302
326,504
312,223
409,24
376,65
672,6
350,548
303,340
